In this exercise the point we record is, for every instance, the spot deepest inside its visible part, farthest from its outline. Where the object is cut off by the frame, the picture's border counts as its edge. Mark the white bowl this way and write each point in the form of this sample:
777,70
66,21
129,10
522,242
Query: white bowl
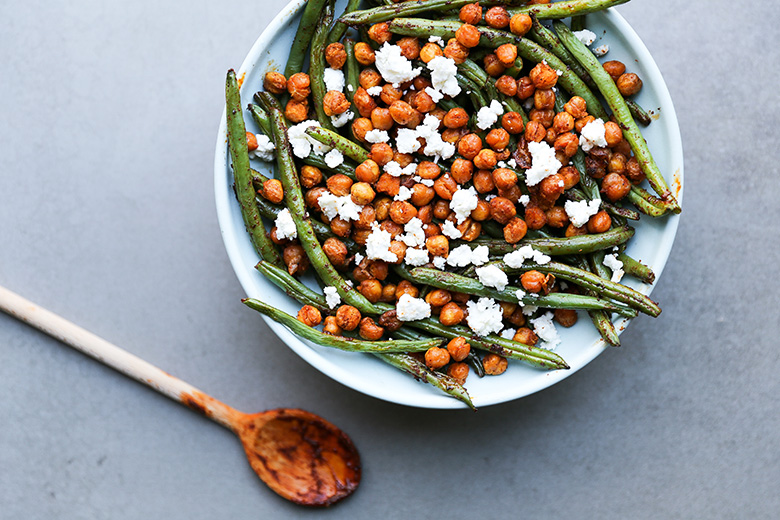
581,343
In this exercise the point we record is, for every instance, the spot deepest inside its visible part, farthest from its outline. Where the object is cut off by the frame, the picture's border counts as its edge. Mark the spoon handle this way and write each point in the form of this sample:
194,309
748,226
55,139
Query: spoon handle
113,356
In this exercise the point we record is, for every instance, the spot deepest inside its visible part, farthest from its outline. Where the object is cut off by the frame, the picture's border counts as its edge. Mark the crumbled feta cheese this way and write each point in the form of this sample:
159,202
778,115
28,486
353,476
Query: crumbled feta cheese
480,255
436,96
332,297
424,182
449,230
334,79
444,73
543,163
463,202
508,333
302,145
404,193
334,158
524,200
378,245
512,163
487,116
579,212
435,146
265,148
616,265
593,134
460,256
406,140
559,73
520,294
358,258
492,276
436,39
528,104
416,257
545,329
586,37
377,136
414,235
485,316
529,309
517,257
601,50
490,197
342,119
374,91
410,308
285,227
343,207
439,262
393,66
350,88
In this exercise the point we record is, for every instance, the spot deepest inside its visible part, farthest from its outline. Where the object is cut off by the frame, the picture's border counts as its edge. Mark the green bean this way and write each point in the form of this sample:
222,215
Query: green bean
597,283
416,368
260,117
317,64
645,202
557,246
601,319
403,9
640,114
620,110
242,175
318,161
292,286
588,183
565,9
339,342
342,144
351,72
309,19
482,80
545,37
455,282
494,38
340,28
578,23
636,269
473,360
295,202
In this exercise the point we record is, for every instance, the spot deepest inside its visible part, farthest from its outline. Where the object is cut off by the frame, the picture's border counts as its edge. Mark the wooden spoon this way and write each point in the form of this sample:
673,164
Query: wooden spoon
299,455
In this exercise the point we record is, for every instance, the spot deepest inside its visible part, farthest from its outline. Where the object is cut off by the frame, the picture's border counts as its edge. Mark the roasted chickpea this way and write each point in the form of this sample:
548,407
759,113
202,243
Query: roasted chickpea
543,76
406,287
458,348
493,65
425,214
481,212
299,86
557,217
339,184
399,250
310,316
471,13
369,77
456,51
574,231
410,47
428,170
497,17
430,51
360,127
380,32
272,191
567,144
389,320
617,163
341,227
364,102
422,195
312,197
458,371
403,113
504,178
486,159
336,251
577,107
467,35
335,103
534,281
515,230
462,170
520,24
469,230
451,314
367,171
364,54
600,222
370,330
388,184
507,85
401,211
507,54
335,55
525,336
362,193
295,259
612,133
297,111
331,327
629,84
348,317
565,317
445,186
543,116
525,88
512,122
436,357
310,176
371,289
391,227
502,210
634,171
469,146
431,229
595,168
441,209
381,153
456,118
275,82
494,364
615,186
615,69
438,245
517,318
438,297
497,139
378,269
551,187
563,122
483,181
388,295
571,177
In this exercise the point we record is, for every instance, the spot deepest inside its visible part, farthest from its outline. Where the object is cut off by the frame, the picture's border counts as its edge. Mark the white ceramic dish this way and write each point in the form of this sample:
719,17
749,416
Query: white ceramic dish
581,343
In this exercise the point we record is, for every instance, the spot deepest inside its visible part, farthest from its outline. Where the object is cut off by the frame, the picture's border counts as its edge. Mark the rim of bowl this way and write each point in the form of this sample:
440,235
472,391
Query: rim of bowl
230,233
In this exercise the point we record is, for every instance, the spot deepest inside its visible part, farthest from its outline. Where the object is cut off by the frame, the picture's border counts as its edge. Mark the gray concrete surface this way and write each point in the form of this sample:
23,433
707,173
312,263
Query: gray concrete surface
109,113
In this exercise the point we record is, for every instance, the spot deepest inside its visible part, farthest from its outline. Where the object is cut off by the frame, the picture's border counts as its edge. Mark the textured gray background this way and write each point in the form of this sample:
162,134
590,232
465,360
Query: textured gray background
107,217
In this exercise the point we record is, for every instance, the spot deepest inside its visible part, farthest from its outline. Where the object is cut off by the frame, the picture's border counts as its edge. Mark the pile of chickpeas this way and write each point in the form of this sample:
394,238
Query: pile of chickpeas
476,164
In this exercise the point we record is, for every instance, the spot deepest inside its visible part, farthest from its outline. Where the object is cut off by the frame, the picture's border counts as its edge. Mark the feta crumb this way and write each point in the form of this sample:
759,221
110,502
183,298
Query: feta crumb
579,212
601,50
517,257
406,140
436,39
449,230
436,96
416,257
439,262
586,37
520,295
524,200
404,193
410,308
508,333
302,145
393,66
545,329
460,256
529,309
350,88
265,149
480,255
378,245
485,316
512,163
487,116
424,182
492,276
342,119
358,258
528,104
444,73
374,91
543,163
593,134
334,79
343,207
616,265
334,158
285,227
377,136
332,297
414,235
434,145
490,197
463,202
